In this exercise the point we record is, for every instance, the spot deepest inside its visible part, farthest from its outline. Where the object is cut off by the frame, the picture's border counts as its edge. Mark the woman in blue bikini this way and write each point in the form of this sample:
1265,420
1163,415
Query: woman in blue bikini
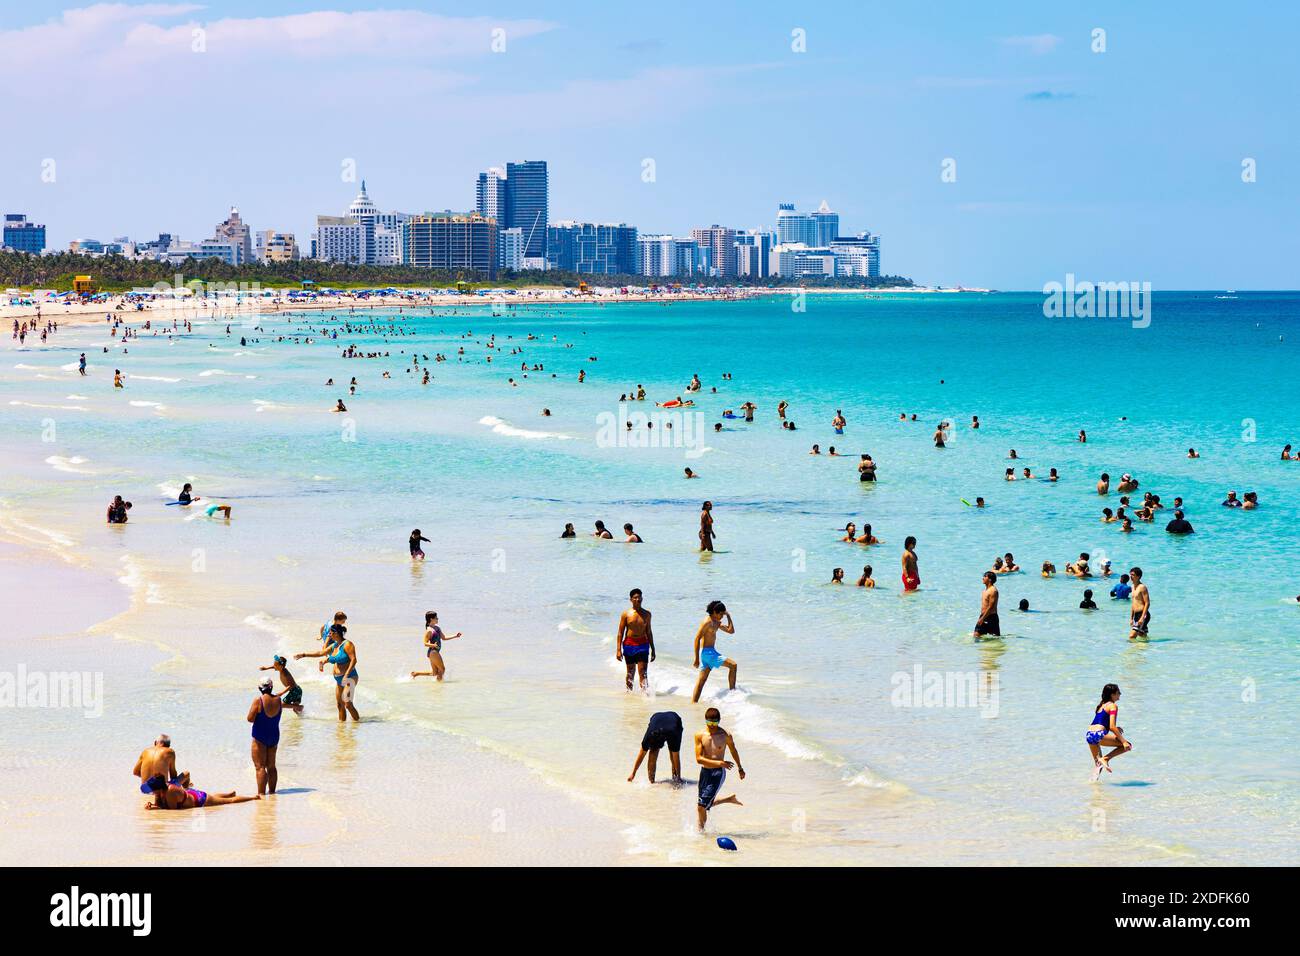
1106,732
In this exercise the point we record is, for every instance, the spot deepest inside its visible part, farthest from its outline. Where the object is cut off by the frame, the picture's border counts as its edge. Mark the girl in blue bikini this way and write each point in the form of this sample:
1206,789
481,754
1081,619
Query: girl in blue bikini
1106,732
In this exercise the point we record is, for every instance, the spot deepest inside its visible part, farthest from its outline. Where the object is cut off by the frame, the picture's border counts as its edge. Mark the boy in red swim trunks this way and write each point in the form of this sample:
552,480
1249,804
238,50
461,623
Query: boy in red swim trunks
911,574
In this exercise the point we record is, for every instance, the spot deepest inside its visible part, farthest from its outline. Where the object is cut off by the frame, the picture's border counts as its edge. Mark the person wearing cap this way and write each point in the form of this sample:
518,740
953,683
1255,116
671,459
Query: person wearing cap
292,695
1127,483
156,767
264,715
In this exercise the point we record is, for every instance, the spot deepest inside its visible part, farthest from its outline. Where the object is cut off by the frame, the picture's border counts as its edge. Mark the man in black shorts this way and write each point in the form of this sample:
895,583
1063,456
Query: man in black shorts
664,728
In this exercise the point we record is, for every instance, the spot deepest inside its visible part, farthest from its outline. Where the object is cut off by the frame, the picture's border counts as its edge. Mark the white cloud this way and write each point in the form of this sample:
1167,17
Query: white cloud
120,36
1037,44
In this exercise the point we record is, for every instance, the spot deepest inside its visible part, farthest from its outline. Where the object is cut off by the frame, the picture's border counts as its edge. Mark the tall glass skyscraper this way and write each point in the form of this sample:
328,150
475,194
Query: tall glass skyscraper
23,236
528,208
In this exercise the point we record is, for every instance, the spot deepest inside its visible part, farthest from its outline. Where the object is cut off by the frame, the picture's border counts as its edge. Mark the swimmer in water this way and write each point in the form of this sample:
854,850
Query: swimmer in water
1193,453
866,581
837,576
867,537
691,474
1104,731
707,657
711,746
568,531
1087,604
707,534
1140,609
632,536
1103,484
1049,569
417,553
987,624
340,407
850,533
601,531
911,568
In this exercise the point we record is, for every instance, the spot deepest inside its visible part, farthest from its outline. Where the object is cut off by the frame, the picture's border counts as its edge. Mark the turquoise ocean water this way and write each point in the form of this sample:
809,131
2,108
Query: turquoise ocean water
841,769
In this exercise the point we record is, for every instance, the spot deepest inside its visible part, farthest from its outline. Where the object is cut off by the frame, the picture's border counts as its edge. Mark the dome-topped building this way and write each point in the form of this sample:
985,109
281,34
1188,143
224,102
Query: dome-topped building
362,208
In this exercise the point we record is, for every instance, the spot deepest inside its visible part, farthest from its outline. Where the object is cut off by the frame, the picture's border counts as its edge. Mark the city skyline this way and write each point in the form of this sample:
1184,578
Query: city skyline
1105,164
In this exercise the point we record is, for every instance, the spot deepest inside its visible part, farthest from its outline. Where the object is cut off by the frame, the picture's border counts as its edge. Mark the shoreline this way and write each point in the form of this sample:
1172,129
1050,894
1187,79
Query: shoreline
238,304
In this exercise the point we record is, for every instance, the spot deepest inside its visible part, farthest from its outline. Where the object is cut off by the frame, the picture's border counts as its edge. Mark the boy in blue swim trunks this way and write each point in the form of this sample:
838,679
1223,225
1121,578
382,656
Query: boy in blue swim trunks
706,655
711,746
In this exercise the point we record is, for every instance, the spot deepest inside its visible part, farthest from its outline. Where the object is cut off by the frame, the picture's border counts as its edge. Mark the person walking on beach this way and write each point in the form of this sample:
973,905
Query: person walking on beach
1105,731
81,364
156,767
711,746
911,570
433,638
707,533
634,644
264,714
706,654
664,728
1140,610
987,624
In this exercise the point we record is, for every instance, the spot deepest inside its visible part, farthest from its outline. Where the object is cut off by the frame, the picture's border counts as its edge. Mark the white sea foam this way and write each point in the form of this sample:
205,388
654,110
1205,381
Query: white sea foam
143,404
153,378
78,398
64,408
60,463
502,427
214,371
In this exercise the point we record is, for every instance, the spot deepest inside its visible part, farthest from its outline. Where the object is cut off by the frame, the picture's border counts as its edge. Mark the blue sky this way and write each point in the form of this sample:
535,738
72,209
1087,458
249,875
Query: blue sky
1125,164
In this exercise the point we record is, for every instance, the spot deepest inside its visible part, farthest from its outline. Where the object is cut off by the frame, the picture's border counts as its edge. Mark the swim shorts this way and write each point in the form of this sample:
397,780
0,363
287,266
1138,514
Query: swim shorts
636,653
664,728
711,781
1094,736
1139,623
911,582
991,626
293,697
710,658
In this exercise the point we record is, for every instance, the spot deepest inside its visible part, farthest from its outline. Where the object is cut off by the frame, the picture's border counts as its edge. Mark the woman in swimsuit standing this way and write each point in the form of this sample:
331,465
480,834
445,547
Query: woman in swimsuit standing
264,715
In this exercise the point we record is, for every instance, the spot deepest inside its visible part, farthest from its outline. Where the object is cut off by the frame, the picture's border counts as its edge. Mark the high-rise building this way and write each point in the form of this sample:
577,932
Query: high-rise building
826,225
272,246
692,259
603,248
754,254
340,239
490,201
792,227
857,255
721,245
512,249
452,241
23,236
235,231
656,255
528,208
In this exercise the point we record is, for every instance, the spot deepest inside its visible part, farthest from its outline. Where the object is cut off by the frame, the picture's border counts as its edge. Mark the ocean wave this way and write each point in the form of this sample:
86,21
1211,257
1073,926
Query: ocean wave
62,408
60,463
214,371
153,378
143,404
502,427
